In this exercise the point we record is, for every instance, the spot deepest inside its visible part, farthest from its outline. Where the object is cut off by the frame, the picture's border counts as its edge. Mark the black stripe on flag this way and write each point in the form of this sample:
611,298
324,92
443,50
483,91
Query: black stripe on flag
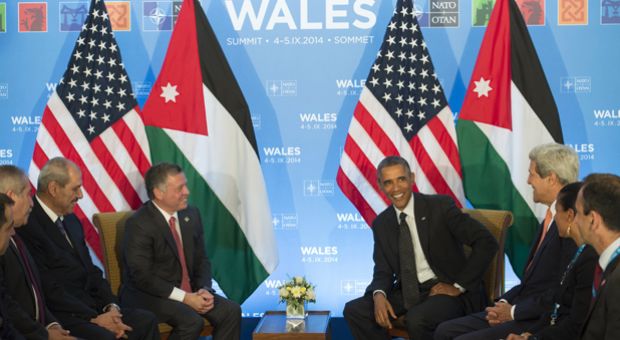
528,75
219,78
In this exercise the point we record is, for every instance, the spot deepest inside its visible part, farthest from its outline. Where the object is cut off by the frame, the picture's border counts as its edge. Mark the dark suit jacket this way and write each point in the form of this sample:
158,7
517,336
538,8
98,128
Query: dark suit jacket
573,296
548,263
68,266
150,259
21,300
7,331
603,320
443,230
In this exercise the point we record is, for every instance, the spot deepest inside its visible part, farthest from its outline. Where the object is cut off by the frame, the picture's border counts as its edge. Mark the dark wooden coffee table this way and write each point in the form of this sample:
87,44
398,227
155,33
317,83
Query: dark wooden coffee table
273,326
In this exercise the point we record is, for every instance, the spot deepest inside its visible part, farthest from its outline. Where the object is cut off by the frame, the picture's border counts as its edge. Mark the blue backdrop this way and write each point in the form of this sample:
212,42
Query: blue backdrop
301,65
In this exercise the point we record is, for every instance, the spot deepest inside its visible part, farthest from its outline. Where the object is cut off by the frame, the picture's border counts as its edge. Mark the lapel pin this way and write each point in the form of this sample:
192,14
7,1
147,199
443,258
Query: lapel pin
186,219
423,218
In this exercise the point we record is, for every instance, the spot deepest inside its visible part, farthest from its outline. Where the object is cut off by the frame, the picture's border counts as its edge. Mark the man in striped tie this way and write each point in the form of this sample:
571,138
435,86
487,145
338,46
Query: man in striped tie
55,238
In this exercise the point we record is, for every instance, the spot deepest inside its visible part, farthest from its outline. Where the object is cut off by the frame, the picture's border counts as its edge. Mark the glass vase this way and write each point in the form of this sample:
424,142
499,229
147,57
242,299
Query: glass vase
295,310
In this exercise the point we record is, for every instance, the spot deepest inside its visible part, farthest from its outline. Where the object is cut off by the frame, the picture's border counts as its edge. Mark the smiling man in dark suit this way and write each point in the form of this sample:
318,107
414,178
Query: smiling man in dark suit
166,269
551,167
420,266
55,239
598,220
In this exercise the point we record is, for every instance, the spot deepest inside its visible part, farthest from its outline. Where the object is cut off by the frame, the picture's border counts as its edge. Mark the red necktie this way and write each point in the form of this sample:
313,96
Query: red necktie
177,239
19,244
598,277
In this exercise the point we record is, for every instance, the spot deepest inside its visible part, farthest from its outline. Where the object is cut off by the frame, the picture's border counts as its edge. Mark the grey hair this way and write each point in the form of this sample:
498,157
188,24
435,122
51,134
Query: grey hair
13,179
560,159
55,170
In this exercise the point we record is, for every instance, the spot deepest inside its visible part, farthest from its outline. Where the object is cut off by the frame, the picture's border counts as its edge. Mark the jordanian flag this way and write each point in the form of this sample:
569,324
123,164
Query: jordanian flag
508,109
196,117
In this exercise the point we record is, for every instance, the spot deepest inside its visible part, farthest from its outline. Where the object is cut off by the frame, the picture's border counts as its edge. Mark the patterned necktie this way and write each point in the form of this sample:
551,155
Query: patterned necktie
177,239
63,231
408,272
40,305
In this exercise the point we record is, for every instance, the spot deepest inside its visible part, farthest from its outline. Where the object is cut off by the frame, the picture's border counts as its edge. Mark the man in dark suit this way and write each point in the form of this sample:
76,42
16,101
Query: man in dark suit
598,220
6,231
420,267
55,239
25,293
552,166
166,269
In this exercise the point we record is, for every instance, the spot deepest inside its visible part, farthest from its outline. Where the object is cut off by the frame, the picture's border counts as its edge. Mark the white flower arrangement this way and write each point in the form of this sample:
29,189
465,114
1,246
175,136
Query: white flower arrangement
297,291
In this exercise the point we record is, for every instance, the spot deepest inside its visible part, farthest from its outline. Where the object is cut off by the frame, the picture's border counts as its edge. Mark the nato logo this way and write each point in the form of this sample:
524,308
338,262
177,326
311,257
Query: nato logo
442,13
2,17
278,88
610,12
318,188
72,15
285,221
32,16
581,84
157,16
4,90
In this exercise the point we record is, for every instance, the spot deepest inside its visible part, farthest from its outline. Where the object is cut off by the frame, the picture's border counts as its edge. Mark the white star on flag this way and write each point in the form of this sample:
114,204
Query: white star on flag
169,93
483,87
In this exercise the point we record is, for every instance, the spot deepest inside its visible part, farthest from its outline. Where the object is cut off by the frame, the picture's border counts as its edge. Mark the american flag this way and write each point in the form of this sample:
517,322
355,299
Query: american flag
93,119
402,111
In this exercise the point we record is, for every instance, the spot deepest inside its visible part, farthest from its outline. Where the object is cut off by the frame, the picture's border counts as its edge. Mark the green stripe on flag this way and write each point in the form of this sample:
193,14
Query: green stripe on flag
490,187
234,264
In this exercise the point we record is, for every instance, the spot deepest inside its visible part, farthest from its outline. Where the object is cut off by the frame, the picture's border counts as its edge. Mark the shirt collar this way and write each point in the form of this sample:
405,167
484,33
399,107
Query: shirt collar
48,211
605,257
166,214
408,209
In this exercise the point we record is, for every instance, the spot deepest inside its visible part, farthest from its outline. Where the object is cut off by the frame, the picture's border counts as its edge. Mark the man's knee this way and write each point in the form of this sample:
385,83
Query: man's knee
353,309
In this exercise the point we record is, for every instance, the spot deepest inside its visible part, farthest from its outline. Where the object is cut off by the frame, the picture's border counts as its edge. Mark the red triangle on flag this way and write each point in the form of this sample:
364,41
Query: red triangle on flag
488,98
176,100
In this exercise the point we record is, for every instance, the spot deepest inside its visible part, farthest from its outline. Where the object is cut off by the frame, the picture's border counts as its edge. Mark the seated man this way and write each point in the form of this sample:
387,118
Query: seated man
166,269
598,220
552,166
27,297
6,231
55,239
421,270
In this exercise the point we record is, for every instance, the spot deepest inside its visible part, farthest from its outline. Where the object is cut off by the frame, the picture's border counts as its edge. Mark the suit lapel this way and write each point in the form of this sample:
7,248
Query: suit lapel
164,228
421,221
611,267
551,235
49,227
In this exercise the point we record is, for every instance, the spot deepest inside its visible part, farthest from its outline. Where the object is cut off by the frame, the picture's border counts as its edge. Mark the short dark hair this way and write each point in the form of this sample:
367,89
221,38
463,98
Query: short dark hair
391,161
601,193
5,203
156,176
568,195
